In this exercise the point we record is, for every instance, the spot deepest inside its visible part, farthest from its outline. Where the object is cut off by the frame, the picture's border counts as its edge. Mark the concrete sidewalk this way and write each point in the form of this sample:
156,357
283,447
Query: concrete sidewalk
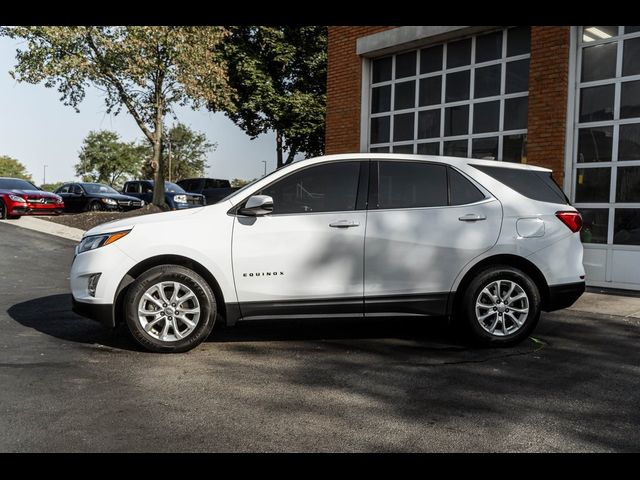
618,305
45,226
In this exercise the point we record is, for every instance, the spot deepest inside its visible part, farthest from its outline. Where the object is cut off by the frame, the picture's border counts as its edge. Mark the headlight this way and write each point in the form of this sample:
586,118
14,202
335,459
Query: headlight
16,198
109,201
180,199
97,241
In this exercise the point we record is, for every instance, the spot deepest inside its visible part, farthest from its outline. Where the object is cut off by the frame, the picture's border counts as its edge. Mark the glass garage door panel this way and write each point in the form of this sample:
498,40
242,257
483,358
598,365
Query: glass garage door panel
606,154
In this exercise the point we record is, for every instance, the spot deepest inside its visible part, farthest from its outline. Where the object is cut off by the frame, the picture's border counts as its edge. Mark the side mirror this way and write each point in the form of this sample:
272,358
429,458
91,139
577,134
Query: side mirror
257,206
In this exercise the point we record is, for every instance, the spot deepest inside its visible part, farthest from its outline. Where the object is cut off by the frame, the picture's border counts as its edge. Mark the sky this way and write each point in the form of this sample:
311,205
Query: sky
37,129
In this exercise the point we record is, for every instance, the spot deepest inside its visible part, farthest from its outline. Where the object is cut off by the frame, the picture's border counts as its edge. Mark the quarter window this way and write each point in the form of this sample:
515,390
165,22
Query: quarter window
331,187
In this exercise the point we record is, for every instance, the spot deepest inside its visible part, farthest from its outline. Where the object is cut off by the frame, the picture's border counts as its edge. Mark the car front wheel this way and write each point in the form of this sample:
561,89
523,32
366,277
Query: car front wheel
501,306
170,309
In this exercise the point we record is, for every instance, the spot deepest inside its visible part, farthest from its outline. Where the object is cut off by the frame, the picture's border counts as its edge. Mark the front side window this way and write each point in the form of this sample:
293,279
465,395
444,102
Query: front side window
131,188
331,187
411,184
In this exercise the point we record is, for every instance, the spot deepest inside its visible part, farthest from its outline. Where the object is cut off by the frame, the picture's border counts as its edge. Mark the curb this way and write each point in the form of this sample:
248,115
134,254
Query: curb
47,227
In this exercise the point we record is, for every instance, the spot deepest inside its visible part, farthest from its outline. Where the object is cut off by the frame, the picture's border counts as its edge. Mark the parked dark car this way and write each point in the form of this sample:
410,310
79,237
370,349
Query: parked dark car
19,197
213,189
95,197
175,196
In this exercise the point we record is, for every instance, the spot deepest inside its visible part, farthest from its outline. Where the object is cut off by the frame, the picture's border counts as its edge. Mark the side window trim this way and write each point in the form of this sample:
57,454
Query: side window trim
363,162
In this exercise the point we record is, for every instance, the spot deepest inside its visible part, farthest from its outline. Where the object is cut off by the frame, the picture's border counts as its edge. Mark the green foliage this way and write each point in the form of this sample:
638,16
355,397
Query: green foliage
10,167
278,74
145,69
50,187
105,159
238,182
188,150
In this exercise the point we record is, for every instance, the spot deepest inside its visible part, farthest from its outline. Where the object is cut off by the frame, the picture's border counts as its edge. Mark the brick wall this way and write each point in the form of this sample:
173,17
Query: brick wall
548,80
548,87
343,88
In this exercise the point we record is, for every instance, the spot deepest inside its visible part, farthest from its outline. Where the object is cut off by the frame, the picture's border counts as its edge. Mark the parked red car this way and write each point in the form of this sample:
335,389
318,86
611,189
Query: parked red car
19,197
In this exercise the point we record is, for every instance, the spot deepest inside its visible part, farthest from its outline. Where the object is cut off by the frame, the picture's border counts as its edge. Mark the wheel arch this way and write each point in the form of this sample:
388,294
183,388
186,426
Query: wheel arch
515,261
143,266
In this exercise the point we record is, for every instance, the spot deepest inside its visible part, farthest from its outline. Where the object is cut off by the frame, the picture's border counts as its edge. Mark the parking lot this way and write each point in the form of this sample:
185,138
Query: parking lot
337,385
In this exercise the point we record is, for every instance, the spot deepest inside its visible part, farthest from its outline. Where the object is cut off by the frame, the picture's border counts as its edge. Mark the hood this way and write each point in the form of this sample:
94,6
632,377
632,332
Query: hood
153,218
115,196
34,193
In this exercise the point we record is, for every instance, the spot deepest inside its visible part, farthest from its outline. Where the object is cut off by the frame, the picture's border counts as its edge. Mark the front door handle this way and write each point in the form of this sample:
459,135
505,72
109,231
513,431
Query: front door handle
472,217
344,224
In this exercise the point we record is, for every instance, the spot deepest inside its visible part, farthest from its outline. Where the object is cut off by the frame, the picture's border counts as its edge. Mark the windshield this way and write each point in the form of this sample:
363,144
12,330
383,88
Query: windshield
233,194
173,188
94,188
16,184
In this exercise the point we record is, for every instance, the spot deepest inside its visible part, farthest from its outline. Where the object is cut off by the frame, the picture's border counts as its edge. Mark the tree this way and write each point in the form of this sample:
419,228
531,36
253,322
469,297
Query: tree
278,74
105,159
186,152
238,182
147,70
51,187
10,167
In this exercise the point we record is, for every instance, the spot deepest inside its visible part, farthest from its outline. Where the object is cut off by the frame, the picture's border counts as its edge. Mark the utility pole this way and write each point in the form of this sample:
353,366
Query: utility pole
265,168
44,175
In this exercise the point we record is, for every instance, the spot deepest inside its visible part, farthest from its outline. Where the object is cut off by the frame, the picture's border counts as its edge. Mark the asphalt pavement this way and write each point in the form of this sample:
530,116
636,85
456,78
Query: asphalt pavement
384,385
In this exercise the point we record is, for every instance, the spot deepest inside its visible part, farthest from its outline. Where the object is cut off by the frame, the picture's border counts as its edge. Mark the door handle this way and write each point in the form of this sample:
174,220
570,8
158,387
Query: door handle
344,224
472,217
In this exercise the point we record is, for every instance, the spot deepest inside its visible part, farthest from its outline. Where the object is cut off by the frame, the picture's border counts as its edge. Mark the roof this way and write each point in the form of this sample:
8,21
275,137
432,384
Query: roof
455,161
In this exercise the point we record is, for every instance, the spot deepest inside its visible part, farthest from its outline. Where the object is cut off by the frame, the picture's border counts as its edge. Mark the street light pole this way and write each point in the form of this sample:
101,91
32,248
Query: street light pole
44,175
265,168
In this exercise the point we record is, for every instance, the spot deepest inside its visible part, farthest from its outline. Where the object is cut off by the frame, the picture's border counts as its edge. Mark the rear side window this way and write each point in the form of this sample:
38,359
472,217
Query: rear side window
461,190
533,184
411,184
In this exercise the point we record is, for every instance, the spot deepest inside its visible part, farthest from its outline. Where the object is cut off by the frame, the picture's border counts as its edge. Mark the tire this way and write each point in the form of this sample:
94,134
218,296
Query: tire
511,324
3,211
160,335
95,207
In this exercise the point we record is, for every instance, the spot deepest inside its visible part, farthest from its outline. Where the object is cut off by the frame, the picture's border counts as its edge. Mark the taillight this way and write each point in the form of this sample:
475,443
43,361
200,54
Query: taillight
573,220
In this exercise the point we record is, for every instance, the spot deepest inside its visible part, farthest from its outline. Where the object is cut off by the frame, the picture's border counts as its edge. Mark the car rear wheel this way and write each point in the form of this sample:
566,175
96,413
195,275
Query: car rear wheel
170,309
501,306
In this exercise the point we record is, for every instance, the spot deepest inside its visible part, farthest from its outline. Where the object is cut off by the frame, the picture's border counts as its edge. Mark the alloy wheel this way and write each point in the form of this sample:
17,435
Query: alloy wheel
502,307
169,311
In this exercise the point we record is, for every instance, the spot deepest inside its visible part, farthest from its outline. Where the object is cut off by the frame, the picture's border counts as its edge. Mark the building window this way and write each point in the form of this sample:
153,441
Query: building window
465,98
606,146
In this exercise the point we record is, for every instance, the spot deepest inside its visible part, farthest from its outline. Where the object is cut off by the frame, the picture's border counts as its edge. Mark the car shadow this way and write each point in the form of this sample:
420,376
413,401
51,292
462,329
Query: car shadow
52,315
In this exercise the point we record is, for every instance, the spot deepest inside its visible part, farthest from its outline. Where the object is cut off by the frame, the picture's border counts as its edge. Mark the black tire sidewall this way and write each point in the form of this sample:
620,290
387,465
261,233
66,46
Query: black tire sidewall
3,210
191,279
481,336
94,207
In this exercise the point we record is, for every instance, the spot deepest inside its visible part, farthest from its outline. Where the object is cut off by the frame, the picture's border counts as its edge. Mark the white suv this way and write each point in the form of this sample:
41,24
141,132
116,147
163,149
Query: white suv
489,244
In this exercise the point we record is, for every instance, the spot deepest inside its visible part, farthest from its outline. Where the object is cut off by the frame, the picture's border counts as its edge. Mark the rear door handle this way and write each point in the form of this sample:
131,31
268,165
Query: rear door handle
472,217
344,224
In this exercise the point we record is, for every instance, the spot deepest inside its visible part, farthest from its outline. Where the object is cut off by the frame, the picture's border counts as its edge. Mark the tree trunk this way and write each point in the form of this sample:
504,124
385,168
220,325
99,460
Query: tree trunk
158,161
157,164
279,149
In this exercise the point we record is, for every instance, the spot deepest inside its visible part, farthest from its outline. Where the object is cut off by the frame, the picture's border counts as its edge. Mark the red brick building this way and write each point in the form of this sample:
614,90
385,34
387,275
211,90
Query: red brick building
563,97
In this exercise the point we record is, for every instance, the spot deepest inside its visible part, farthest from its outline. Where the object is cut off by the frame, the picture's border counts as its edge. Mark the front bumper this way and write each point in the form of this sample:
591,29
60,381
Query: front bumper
100,312
22,209
563,296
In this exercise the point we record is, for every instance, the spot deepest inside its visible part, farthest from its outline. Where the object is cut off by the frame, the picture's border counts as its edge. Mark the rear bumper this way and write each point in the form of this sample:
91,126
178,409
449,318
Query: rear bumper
100,312
563,296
